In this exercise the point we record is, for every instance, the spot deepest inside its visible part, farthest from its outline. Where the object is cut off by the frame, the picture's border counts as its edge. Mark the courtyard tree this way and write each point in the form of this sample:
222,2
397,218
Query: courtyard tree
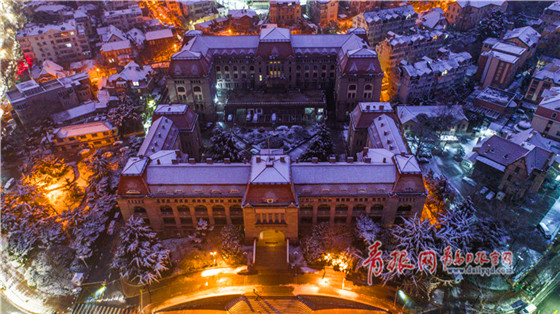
127,117
231,241
328,245
140,258
321,145
222,145
492,25
367,230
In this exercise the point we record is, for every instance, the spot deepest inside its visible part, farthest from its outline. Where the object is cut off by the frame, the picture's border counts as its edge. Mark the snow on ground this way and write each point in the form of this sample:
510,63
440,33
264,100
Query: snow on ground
178,248
308,270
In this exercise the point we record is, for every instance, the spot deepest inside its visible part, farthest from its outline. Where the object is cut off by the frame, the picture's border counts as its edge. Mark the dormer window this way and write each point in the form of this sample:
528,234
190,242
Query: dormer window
270,200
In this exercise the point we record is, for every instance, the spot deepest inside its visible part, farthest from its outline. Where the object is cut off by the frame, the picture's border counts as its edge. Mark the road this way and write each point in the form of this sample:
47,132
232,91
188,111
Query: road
6,307
551,305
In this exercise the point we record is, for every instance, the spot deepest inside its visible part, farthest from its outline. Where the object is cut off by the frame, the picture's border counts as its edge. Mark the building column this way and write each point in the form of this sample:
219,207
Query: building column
315,214
390,210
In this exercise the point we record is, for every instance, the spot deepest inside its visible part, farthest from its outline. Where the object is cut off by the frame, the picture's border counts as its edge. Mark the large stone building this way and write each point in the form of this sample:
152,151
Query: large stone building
465,14
410,48
32,102
547,116
62,43
284,13
399,20
322,12
433,78
270,66
270,192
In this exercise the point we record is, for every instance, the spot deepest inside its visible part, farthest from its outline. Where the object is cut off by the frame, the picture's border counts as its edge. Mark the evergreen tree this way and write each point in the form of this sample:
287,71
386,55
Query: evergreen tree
140,258
223,146
232,238
321,147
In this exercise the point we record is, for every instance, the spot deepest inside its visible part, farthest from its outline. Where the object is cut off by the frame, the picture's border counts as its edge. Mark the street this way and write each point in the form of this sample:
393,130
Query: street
551,305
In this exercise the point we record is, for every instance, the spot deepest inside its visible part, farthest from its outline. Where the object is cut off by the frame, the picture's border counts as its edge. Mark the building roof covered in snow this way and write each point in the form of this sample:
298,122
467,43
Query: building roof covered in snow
384,133
83,129
550,71
182,115
389,14
137,36
162,135
159,34
237,14
37,30
432,18
410,113
429,66
116,45
132,72
551,99
526,35
364,113
479,3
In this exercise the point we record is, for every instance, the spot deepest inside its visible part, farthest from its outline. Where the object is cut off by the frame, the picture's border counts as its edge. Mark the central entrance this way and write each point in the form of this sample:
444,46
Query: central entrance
271,237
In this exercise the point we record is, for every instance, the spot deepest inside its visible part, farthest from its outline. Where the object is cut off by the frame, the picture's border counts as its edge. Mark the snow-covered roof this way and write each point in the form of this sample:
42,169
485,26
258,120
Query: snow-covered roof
389,14
198,174
479,3
116,45
526,35
555,6
171,109
82,129
396,39
384,133
502,56
408,113
161,136
407,164
51,68
132,72
76,112
131,10
111,33
551,98
137,36
509,49
496,96
431,18
343,173
270,169
429,66
134,166
159,34
52,8
237,14
35,30
275,34
550,71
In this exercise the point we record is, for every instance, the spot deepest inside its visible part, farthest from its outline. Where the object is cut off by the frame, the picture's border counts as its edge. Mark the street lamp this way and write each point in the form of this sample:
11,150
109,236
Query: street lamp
83,260
214,256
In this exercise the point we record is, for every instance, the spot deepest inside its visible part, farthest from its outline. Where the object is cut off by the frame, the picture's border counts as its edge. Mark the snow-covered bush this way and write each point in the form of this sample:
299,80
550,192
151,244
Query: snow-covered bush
320,147
223,146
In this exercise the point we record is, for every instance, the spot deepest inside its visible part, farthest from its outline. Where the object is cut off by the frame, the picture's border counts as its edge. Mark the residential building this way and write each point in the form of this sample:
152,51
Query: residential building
242,21
270,67
498,63
433,78
322,12
549,44
186,121
34,101
63,43
378,24
433,19
515,165
270,192
546,119
133,78
465,14
117,52
160,39
284,13
87,135
493,103
524,37
408,117
361,119
543,79
48,71
410,48
124,19
551,14
190,9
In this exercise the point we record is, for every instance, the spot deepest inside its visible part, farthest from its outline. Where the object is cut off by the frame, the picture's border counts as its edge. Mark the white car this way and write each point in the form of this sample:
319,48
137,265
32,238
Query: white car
469,181
484,190
490,195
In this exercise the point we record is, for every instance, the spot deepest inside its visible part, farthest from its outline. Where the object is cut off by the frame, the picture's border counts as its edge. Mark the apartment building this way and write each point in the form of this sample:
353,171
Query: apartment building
210,70
524,37
546,119
498,63
34,101
284,13
134,78
361,119
543,79
493,103
80,136
322,12
410,48
63,43
378,24
465,14
242,21
432,78
124,19
191,9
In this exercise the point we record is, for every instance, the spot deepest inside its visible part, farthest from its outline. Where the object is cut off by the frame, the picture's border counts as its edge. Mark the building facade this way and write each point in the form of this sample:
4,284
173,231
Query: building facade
546,119
284,13
498,63
545,78
465,14
209,68
62,43
124,19
88,135
398,20
322,12
32,102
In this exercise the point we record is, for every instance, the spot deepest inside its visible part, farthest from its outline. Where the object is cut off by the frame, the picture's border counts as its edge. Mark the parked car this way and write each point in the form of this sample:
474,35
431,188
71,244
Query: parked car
531,308
490,195
518,304
469,181
9,184
484,190
543,228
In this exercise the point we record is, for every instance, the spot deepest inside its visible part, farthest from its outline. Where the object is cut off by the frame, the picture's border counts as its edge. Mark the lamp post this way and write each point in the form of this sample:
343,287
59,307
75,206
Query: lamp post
83,260
213,253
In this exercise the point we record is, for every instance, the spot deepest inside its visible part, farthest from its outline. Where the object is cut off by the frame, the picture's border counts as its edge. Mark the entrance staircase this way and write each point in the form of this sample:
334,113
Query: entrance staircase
271,257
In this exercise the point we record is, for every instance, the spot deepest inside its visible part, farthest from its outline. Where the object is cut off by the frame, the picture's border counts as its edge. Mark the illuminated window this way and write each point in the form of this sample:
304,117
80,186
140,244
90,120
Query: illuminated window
135,83
68,45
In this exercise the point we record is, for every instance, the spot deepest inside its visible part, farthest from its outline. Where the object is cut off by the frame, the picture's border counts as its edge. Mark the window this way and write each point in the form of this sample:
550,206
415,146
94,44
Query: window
139,210
404,208
169,221
183,210
186,221
180,89
166,210
218,69
352,87
227,68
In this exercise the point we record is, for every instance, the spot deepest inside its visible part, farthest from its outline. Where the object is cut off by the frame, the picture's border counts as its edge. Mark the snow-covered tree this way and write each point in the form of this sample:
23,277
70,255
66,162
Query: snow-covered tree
492,25
490,234
367,229
440,193
126,117
199,237
140,258
232,239
456,226
321,145
326,239
222,145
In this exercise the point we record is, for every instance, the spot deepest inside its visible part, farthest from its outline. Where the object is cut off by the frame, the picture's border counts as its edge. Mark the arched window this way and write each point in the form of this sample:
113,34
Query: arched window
139,210
218,210
324,209
358,210
341,209
197,89
235,210
166,210
306,210
352,87
369,87
201,210
181,89
218,69
376,208
183,210
404,208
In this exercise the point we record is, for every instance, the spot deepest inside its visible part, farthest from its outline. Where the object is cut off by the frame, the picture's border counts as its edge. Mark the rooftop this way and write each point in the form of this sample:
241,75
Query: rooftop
389,14
479,3
526,35
83,129
496,96
159,34
161,136
384,133
408,113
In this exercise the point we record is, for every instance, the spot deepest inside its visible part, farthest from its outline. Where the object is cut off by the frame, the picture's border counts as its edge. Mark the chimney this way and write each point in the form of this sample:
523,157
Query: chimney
227,161
332,159
282,158
384,159
402,154
158,161
365,151
192,161
388,141
208,160
258,158
178,154
385,133
349,159
367,160
314,160
367,107
381,107
382,124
